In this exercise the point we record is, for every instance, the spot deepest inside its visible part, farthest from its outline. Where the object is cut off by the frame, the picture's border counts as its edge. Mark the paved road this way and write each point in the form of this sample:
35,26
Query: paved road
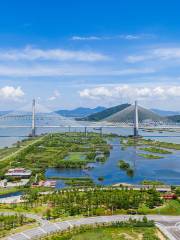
169,225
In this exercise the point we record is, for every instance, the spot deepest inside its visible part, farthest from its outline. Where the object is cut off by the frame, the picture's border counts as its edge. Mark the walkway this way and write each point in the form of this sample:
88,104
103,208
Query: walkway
169,225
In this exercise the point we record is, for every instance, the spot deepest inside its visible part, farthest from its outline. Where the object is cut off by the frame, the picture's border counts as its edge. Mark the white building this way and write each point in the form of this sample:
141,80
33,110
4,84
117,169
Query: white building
19,172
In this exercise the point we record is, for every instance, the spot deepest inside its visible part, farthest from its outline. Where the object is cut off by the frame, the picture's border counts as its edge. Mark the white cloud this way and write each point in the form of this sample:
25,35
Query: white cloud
11,93
68,70
130,92
88,38
130,37
30,54
122,36
55,95
96,93
158,53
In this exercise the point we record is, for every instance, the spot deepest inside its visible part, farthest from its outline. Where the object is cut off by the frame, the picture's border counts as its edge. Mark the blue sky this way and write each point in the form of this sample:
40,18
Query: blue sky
69,53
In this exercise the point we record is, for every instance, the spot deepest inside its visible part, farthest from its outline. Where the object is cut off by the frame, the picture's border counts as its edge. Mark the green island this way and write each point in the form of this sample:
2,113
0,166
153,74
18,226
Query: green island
149,156
79,182
126,167
155,150
131,229
150,146
131,141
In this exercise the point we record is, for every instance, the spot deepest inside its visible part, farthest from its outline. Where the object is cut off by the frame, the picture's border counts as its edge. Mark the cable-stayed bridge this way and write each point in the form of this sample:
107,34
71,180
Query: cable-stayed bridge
36,116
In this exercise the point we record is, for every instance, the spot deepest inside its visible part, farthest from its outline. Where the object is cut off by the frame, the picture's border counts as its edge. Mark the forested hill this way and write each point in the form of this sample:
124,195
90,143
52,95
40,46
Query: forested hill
80,112
174,118
105,113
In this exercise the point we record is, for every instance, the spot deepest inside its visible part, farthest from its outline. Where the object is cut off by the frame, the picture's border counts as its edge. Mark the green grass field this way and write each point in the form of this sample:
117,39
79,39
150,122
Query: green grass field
169,208
113,233
75,156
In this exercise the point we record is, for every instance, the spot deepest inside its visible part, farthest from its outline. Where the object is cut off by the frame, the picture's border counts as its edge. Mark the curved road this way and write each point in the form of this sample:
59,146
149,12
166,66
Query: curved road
169,225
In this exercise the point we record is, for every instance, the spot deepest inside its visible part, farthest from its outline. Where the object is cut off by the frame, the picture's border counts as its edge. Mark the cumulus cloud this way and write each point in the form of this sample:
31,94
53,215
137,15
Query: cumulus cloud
96,93
30,54
54,96
158,53
11,93
130,92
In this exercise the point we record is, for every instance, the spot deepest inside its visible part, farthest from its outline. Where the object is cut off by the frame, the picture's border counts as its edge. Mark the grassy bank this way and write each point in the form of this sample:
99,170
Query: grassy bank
150,156
155,150
130,141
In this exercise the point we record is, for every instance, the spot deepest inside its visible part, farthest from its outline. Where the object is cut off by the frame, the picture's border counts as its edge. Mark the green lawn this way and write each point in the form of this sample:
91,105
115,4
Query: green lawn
169,208
112,233
75,156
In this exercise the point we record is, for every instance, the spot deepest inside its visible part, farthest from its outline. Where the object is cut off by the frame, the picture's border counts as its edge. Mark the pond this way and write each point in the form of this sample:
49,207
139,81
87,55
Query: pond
13,194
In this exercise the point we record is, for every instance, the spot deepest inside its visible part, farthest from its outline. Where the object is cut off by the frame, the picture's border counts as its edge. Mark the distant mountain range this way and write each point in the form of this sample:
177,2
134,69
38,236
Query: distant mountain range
105,113
127,115
4,112
165,113
119,113
174,118
125,112
80,112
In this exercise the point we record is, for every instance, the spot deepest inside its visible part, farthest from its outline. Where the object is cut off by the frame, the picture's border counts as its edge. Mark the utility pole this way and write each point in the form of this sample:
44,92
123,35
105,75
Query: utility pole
33,118
136,121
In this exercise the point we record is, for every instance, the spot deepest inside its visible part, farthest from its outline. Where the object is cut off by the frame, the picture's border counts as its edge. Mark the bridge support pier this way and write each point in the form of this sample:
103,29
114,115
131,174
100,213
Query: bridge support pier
101,131
136,121
33,119
85,131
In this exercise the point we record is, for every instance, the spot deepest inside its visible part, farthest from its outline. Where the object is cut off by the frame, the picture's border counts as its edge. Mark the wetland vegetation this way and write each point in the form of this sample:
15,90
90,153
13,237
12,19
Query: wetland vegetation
59,150
126,167
155,150
74,150
149,156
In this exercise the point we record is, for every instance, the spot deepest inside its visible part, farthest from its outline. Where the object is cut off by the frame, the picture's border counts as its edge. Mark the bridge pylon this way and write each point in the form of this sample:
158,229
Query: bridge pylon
136,120
33,118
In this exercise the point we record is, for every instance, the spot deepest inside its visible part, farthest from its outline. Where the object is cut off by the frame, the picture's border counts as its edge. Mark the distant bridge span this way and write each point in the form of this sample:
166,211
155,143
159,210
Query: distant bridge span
35,124
94,126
